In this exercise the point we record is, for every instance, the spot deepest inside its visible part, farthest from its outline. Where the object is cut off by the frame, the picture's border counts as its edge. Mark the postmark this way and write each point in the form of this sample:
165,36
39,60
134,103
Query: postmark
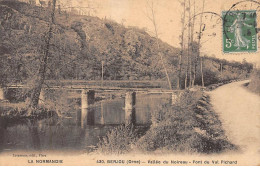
239,31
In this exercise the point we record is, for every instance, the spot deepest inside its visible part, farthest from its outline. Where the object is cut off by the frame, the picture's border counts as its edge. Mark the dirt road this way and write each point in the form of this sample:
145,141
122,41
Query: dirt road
239,111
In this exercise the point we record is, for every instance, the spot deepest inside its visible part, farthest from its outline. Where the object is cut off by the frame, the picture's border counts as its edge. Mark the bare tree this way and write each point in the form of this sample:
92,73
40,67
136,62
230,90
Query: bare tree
188,66
199,43
150,5
193,57
181,43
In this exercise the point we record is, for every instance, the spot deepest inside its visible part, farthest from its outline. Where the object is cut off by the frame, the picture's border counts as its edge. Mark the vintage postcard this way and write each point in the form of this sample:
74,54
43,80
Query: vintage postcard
129,83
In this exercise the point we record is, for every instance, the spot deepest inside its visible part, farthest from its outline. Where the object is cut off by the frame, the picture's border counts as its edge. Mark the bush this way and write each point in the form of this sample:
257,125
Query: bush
255,81
117,141
189,125
172,127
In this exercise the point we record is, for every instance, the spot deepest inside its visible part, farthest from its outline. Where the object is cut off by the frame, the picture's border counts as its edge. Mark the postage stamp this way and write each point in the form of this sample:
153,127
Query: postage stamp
239,31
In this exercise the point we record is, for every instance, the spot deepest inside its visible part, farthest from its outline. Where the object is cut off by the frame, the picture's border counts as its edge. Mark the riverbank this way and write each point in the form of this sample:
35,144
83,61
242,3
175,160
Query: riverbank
190,126
53,102
19,111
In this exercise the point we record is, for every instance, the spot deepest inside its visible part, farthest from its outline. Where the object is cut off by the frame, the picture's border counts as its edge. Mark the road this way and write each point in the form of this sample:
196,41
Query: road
239,111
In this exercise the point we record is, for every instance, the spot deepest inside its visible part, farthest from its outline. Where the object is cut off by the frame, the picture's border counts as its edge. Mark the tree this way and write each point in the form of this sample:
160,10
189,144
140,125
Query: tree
193,62
181,43
188,66
39,81
199,43
150,5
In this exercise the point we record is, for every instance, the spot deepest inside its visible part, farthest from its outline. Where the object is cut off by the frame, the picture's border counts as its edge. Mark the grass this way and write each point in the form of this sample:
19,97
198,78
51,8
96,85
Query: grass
190,125
172,127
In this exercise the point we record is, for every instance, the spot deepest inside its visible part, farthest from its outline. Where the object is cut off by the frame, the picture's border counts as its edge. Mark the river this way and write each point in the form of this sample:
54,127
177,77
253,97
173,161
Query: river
76,132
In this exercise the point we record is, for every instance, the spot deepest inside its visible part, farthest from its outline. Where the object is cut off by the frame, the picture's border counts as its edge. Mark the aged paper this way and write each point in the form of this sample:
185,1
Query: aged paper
129,83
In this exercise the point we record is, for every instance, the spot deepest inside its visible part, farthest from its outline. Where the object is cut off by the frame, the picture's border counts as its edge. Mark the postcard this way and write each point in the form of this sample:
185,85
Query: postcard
129,83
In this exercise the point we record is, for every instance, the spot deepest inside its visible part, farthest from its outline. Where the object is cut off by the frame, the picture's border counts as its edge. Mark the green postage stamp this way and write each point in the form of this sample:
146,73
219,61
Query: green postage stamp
239,31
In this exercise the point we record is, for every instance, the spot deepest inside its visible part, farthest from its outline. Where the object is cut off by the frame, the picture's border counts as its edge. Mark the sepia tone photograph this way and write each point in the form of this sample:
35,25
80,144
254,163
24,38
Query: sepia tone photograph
129,83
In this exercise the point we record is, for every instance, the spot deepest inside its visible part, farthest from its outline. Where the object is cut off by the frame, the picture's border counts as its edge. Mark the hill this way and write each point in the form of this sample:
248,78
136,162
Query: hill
79,45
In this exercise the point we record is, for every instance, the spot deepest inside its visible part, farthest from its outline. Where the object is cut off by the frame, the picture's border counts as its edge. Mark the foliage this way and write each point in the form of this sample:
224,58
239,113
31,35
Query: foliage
80,43
184,128
117,141
190,126
255,81
172,126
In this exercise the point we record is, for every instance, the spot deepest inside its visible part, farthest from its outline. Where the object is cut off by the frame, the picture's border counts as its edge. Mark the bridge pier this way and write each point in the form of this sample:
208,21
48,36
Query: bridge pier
87,98
2,94
87,113
130,100
102,120
87,117
174,98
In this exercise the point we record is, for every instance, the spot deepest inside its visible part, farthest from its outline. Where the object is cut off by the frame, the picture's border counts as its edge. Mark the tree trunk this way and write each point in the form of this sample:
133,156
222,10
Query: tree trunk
185,81
201,64
34,99
201,71
193,57
182,45
158,47
194,72
189,47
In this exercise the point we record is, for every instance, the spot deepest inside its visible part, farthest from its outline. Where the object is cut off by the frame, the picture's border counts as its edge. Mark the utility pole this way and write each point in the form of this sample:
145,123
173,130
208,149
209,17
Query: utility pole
102,74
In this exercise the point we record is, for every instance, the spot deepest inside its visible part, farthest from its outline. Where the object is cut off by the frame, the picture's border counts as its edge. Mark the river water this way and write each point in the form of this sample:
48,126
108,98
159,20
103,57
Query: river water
77,132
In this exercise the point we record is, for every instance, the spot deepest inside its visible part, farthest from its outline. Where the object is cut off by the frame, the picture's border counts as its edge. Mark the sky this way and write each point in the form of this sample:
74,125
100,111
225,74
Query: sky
168,18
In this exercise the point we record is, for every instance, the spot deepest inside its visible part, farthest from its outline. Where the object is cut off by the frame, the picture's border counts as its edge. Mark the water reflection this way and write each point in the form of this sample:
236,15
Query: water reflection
81,131
87,117
33,130
102,120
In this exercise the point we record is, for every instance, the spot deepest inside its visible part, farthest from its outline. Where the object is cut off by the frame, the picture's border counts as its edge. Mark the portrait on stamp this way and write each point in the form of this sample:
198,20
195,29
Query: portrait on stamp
239,31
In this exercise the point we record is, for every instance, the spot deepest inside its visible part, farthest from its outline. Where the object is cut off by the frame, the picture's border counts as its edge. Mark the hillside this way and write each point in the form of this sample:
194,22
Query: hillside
81,43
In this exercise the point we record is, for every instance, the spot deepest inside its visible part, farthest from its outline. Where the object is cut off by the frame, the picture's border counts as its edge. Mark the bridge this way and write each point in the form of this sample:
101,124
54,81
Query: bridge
97,88
88,95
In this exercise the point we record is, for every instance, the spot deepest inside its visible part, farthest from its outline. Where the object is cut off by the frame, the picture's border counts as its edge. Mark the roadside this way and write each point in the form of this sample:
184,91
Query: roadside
239,112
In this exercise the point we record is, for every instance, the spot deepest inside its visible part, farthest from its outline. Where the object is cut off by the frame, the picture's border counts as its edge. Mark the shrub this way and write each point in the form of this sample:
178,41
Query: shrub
117,141
189,125
172,127
255,81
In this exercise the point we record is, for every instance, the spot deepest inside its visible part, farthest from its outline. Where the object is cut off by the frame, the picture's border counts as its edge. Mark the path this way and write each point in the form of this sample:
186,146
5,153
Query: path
239,111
